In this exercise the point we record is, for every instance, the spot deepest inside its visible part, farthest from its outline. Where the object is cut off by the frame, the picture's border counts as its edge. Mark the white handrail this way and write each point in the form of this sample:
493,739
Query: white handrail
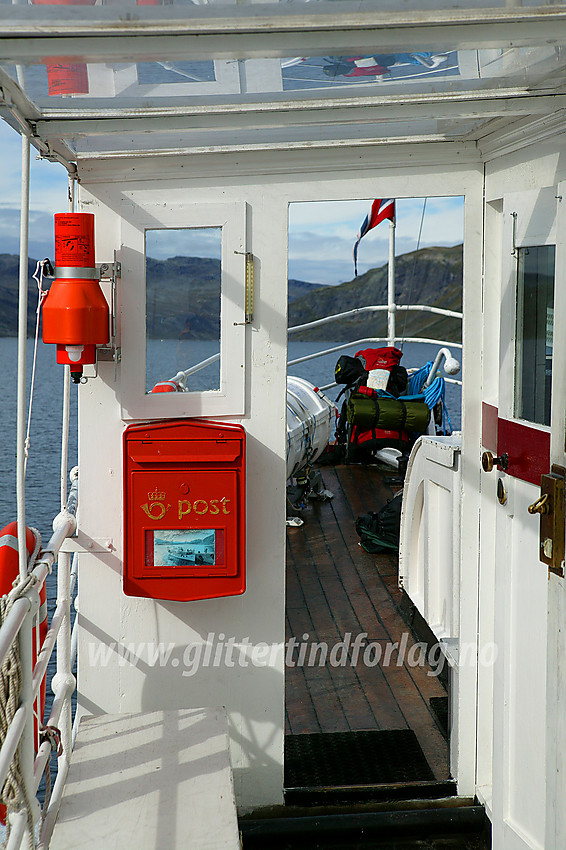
357,342
49,817
12,625
18,823
413,339
451,366
182,375
11,741
22,343
18,626
380,308
66,685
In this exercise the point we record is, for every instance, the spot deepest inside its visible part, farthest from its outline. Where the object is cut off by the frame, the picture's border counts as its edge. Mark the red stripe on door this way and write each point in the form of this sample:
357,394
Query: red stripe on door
528,449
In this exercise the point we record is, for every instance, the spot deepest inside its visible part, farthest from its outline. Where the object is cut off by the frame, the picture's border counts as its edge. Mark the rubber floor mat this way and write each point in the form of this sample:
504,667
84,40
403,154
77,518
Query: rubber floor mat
354,758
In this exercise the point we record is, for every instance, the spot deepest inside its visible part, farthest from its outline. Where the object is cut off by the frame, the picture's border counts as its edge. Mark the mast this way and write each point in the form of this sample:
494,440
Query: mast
391,286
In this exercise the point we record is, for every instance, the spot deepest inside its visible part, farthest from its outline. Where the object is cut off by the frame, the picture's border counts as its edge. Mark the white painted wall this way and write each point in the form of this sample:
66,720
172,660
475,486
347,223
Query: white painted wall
520,607
254,696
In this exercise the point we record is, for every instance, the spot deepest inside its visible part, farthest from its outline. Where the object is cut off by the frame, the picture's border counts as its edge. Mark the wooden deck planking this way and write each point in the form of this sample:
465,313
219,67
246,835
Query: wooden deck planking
331,619
335,588
411,685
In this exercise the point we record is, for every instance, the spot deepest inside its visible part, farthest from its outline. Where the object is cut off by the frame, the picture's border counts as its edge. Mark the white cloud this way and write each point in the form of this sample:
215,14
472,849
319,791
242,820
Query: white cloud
48,195
321,234
200,242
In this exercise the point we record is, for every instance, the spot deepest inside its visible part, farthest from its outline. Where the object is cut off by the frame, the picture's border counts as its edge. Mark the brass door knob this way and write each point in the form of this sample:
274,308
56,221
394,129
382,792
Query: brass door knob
488,461
541,506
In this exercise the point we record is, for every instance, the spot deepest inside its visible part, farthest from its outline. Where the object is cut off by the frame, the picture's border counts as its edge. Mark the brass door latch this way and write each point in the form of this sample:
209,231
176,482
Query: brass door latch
551,507
488,462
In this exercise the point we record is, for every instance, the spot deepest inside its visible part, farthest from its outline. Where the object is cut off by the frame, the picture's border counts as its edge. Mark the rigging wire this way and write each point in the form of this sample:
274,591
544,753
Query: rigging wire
412,278
42,293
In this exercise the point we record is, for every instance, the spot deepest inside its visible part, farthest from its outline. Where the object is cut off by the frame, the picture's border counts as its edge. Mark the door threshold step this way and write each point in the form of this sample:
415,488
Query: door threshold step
460,823
335,794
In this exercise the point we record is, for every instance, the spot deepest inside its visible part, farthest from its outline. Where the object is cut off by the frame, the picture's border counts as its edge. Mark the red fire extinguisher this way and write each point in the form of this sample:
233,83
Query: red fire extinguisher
75,313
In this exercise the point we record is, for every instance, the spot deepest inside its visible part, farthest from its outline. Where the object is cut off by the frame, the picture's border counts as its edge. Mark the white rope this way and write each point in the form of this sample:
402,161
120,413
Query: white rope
38,277
14,792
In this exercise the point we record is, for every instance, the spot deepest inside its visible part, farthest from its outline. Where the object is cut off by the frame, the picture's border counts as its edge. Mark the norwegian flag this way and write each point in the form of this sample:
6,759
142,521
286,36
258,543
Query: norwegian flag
380,210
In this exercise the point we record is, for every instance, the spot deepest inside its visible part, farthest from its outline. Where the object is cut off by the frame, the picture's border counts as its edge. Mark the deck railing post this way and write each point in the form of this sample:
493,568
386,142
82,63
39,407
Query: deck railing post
27,743
64,677
391,329
25,636
22,351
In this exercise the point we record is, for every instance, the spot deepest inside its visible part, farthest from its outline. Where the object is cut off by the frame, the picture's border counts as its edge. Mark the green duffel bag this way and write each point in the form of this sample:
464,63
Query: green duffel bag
387,414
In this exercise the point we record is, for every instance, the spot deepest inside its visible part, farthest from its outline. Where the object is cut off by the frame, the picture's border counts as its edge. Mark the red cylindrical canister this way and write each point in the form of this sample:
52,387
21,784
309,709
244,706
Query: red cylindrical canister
64,74
74,240
63,2
75,313
66,77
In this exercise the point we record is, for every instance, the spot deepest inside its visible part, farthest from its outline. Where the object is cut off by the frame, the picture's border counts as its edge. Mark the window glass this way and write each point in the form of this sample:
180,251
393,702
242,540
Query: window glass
535,319
183,274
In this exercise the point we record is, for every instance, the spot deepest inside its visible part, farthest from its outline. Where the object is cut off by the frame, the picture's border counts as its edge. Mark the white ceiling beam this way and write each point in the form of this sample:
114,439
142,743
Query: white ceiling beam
264,31
516,135
283,147
265,116
21,114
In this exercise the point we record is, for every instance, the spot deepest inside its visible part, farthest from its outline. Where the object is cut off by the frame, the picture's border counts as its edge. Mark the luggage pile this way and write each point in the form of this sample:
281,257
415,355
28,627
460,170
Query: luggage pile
375,413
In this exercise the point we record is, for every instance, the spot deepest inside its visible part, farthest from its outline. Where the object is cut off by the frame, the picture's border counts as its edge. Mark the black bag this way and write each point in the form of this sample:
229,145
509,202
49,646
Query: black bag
398,380
348,370
379,531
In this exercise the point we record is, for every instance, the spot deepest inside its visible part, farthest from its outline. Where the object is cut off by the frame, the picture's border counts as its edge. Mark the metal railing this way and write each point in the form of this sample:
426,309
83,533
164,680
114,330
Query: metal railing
380,308
19,625
181,376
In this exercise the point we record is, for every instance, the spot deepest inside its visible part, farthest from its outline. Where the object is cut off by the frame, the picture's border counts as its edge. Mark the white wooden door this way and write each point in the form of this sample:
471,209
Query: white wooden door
555,757
520,428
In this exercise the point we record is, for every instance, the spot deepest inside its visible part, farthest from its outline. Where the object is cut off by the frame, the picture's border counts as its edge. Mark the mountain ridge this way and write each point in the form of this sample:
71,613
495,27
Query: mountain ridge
183,298
431,276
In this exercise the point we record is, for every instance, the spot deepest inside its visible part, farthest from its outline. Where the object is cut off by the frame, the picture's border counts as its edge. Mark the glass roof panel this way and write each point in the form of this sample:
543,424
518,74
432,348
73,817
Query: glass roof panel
384,5
196,76
71,86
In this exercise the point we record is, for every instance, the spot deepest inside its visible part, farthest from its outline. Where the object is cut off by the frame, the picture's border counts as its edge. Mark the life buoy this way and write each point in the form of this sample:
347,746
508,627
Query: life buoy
9,571
166,387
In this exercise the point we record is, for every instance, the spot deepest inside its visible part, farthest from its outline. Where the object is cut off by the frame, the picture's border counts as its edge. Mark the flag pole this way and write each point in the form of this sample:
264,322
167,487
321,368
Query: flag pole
391,286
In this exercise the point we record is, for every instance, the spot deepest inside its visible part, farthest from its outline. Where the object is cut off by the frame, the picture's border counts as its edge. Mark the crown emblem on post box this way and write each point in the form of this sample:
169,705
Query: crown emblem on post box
156,496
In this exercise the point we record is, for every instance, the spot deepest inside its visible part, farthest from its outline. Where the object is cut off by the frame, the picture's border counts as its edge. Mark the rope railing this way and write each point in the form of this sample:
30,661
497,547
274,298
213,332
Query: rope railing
18,609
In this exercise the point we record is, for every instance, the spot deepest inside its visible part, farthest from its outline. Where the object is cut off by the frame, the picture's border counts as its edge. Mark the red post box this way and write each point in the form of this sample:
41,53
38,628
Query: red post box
184,510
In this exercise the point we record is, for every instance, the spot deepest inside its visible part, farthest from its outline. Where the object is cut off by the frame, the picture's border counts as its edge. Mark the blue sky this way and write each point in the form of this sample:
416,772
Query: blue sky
321,234
48,195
